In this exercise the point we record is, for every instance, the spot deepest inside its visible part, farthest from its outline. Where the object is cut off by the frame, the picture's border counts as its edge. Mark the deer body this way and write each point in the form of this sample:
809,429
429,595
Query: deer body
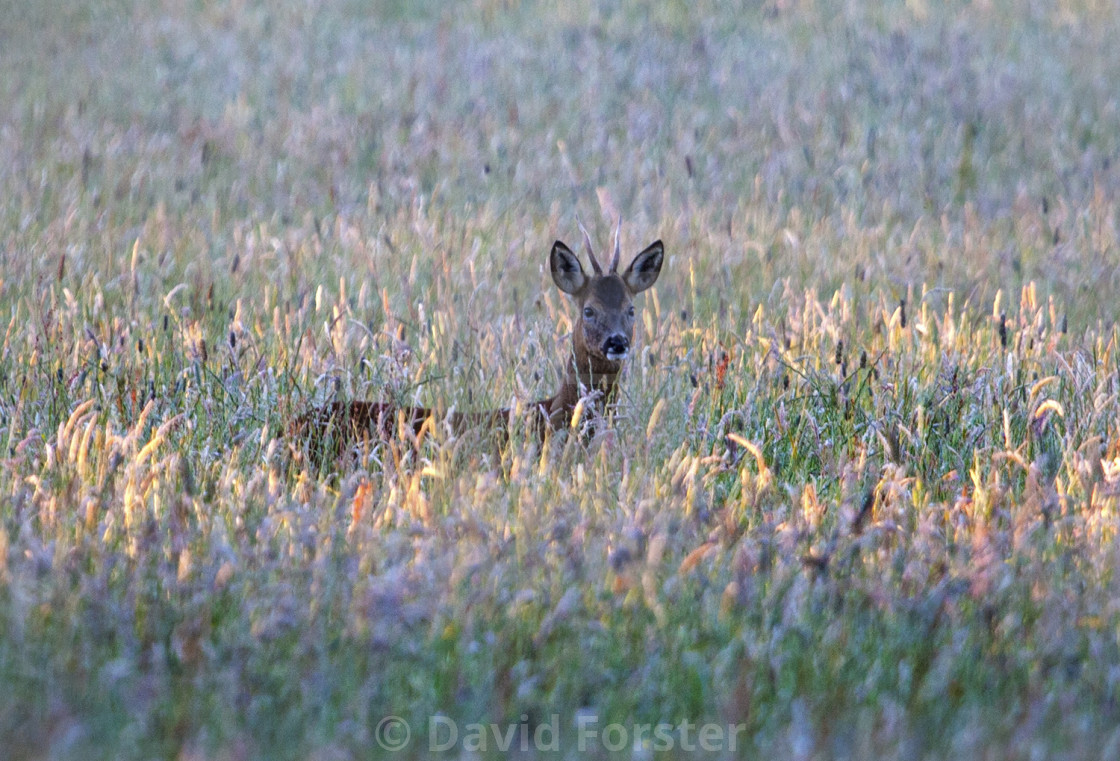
601,342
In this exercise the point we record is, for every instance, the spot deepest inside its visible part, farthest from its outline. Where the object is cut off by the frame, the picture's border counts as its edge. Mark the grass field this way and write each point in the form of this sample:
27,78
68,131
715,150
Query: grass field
861,496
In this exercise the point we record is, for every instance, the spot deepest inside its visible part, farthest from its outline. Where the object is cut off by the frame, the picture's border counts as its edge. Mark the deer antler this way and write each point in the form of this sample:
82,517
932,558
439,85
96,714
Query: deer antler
590,251
617,245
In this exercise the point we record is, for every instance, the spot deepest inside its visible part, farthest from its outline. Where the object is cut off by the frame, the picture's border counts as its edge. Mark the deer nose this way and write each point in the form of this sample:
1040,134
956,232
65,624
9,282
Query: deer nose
616,347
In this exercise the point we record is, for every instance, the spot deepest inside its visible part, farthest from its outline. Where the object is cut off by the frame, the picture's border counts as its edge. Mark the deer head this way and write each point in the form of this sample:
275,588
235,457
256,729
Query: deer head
605,324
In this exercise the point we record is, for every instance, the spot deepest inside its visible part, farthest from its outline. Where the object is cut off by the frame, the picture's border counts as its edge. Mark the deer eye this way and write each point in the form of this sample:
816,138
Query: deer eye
630,311
588,312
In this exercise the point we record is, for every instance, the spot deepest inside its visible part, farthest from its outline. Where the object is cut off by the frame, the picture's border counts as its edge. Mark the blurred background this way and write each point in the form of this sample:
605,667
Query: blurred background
886,139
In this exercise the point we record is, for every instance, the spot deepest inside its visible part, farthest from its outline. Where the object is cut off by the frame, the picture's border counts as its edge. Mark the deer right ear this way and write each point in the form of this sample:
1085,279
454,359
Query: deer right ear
567,272
643,271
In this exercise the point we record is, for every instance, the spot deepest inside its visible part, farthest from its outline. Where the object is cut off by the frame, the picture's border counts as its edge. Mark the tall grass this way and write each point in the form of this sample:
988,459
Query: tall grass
860,495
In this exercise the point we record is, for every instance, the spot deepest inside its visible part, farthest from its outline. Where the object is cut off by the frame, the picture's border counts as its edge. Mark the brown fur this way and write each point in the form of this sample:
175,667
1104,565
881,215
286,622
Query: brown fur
605,321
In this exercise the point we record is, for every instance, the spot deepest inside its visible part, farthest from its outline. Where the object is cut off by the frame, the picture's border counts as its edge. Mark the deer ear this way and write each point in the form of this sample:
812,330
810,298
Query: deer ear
567,272
643,271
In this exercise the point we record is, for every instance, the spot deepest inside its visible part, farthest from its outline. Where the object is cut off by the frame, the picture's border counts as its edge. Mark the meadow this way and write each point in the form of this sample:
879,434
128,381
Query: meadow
859,497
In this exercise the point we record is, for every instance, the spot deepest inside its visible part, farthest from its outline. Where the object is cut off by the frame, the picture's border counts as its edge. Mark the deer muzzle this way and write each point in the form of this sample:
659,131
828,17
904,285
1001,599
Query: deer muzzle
616,348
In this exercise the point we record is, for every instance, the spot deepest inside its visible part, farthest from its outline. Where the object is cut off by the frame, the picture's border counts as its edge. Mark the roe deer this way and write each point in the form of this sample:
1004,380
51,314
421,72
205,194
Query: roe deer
601,341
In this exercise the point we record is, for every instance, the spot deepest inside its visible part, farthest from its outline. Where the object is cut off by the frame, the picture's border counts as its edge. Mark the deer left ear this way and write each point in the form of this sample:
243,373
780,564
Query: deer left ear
567,272
643,271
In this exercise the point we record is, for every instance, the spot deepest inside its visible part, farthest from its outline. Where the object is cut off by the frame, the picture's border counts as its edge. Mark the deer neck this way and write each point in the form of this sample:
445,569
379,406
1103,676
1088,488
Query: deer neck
587,374
593,376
